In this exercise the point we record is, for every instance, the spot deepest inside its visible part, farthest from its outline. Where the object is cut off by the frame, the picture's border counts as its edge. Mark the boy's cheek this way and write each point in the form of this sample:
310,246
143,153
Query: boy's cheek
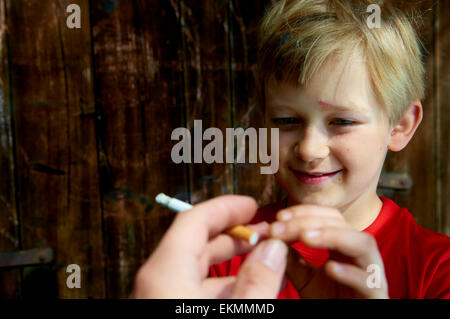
361,162
287,138
285,151
362,147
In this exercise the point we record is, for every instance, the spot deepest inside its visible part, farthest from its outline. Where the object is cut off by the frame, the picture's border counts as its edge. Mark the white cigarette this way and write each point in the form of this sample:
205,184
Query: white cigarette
239,231
172,203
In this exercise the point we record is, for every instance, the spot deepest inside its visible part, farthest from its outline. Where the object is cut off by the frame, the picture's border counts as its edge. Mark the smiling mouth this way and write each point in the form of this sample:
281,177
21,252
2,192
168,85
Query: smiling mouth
314,177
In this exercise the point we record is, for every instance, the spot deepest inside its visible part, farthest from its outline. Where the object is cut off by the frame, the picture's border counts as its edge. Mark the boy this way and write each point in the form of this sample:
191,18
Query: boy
343,94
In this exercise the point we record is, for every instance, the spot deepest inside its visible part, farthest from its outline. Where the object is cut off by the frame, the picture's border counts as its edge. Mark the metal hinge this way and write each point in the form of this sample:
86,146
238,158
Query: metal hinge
395,181
26,257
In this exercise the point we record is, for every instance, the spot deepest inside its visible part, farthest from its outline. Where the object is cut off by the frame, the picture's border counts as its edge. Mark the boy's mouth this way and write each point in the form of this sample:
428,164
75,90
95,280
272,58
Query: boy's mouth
311,178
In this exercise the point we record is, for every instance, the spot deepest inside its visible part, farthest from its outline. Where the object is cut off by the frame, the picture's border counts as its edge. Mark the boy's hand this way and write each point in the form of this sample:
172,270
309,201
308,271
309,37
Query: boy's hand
179,266
353,254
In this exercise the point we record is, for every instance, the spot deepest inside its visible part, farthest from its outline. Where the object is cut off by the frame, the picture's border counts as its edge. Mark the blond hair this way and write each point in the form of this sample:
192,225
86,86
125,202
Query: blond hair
297,36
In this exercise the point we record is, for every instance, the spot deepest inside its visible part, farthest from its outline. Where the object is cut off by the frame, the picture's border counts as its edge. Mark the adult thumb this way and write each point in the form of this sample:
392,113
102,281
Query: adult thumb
261,274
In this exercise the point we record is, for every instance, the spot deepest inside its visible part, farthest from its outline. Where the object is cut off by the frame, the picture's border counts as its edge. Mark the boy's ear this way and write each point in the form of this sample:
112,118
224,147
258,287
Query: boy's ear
403,131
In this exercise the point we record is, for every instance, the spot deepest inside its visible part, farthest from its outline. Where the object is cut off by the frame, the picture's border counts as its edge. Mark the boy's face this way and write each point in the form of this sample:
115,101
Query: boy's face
333,126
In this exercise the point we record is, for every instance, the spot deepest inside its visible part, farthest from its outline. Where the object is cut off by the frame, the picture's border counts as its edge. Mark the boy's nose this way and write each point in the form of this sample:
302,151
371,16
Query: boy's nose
313,145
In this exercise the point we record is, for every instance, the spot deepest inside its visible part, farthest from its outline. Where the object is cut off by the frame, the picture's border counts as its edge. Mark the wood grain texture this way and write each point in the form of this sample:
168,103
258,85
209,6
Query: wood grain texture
56,153
247,109
9,219
138,66
205,34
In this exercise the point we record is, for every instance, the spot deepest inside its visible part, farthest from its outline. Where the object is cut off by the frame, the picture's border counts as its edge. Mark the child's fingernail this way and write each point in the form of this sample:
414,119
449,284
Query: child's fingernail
338,268
278,228
285,215
273,254
312,233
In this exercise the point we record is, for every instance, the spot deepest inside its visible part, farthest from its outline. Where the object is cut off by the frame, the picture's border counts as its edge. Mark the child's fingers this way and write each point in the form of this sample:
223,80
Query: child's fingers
307,210
359,245
289,230
358,279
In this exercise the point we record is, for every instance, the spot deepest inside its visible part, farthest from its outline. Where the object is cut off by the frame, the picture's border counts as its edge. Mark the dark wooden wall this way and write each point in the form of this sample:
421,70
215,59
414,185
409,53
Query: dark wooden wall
86,118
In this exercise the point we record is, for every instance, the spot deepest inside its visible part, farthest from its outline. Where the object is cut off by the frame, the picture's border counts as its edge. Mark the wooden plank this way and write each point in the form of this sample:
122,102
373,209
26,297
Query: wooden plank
56,146
244,22
418,158
9,219
139,76
442,28
84,219
207,91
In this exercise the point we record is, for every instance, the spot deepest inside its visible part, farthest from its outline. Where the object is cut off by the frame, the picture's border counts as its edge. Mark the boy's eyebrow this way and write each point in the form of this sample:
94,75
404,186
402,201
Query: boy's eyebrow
273,106
327,106
340,107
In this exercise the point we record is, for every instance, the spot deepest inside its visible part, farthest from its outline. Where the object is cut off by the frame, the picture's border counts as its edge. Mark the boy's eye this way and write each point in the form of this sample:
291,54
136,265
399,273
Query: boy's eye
286,121
342,122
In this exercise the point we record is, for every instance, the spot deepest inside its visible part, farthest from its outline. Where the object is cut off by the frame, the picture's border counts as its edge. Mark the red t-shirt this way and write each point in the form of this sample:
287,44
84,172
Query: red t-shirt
416,260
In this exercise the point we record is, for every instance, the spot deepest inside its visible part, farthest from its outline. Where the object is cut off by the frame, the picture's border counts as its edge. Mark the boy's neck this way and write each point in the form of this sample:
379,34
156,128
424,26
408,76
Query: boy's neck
362,212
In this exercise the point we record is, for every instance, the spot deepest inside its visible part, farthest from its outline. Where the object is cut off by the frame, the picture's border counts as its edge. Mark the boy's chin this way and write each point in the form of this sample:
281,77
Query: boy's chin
315,199
320,197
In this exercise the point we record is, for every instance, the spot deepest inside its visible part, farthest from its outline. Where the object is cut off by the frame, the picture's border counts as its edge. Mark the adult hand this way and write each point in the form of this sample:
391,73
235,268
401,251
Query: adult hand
179,266
354,255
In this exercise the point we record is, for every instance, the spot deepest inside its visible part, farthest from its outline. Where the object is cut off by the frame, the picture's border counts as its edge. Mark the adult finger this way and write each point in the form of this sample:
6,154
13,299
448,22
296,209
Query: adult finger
207,220
218,288
224,247
261,275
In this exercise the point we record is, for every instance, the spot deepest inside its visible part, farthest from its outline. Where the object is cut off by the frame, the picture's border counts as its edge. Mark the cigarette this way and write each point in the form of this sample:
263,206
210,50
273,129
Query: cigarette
239,231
